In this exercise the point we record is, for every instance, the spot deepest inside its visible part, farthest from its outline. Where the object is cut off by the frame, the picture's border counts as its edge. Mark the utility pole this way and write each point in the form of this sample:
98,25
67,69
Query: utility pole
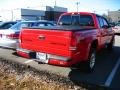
55,3
109,19
77,4
12,15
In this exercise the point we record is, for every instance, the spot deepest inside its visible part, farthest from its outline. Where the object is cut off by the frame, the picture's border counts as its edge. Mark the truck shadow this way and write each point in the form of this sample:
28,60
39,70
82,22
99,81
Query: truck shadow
96,79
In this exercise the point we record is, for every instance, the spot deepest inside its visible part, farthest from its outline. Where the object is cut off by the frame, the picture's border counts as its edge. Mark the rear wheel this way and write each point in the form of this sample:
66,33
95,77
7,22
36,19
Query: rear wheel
90,64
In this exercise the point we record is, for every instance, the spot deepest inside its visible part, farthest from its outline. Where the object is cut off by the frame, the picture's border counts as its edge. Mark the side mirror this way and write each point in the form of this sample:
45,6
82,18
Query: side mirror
111,25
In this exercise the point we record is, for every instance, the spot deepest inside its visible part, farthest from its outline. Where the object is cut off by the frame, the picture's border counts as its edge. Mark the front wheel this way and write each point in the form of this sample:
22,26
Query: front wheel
110,45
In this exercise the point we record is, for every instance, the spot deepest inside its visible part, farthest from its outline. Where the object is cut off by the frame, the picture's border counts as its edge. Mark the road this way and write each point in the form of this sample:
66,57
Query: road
107,69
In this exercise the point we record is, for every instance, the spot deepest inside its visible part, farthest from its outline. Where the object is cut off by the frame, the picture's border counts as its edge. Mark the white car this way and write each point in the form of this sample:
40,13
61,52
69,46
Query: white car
9,37
117,28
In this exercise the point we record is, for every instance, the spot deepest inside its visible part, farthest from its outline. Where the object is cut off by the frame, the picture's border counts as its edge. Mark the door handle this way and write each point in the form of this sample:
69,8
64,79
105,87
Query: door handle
41,37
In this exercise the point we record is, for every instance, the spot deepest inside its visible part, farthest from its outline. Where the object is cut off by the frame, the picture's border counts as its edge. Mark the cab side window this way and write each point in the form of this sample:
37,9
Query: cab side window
100,21
105,22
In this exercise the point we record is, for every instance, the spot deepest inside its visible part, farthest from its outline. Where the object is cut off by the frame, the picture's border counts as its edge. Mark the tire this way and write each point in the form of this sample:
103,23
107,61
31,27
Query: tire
90,64
110,45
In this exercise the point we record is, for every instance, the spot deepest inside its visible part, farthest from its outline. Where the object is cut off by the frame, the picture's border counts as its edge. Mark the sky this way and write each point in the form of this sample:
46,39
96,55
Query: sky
97,6
84,5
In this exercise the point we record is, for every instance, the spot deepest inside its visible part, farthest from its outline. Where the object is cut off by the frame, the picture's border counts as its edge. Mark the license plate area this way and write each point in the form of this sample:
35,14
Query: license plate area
42,57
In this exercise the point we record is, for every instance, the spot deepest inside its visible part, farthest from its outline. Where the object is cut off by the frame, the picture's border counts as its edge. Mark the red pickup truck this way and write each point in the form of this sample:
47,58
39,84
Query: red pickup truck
76,38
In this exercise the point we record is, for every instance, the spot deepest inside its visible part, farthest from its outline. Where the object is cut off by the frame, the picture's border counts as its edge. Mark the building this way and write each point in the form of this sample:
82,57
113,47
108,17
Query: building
49,13
29,14
53,13
114,16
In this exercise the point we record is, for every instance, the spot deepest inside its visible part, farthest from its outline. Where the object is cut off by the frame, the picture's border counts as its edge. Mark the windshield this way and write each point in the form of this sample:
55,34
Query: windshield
76,20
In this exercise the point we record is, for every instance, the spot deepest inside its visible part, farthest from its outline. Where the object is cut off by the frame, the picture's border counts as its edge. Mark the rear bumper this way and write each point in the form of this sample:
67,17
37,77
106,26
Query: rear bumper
25,53
60,62
9,43
53,61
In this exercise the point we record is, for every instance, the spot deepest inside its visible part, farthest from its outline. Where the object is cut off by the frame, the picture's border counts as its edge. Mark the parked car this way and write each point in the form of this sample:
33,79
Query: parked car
116,28
9,37
6,25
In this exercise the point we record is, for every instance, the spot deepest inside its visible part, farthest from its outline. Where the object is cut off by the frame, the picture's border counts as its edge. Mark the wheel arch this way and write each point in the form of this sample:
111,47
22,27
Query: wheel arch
92,44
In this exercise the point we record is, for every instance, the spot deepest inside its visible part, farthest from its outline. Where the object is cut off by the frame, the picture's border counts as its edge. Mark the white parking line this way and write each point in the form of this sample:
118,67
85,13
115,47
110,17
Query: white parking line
28,61
112,74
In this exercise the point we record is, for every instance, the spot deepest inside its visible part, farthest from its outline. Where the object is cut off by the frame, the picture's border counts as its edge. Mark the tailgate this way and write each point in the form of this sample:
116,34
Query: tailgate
47,41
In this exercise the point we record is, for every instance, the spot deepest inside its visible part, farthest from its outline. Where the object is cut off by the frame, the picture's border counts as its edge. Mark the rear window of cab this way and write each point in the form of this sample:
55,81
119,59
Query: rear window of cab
76,20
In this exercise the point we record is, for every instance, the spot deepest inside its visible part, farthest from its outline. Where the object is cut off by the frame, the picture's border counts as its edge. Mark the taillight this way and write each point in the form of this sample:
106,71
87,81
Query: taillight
13,36
75,40
73,44
20,37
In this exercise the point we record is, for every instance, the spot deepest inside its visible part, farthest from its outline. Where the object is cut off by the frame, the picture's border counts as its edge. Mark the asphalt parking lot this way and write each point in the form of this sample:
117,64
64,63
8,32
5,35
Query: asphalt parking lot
107,69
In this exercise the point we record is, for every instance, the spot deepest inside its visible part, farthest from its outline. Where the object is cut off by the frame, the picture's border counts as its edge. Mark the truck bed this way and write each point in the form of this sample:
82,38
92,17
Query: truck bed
63,28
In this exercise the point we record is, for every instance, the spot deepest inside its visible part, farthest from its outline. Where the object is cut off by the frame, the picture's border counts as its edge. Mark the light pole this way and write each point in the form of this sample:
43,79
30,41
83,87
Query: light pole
55,3
12,15
77,4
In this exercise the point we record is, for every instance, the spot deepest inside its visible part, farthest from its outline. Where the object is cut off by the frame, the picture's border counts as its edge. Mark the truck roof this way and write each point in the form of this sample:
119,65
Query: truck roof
69,13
